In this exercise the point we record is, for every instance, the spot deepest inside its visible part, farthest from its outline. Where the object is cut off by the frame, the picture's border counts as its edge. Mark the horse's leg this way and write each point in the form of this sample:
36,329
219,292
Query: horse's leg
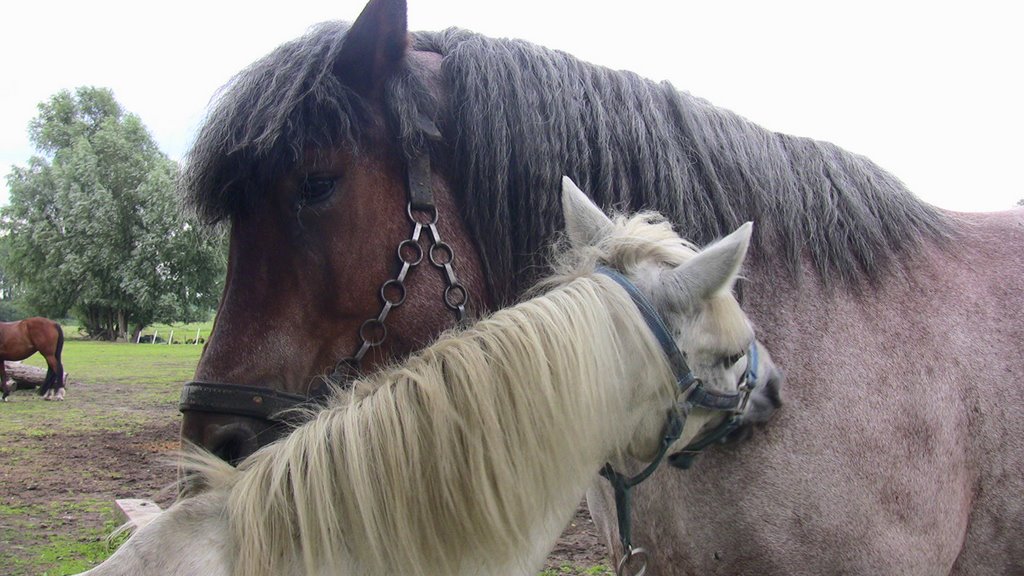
55,369
44,390
54,379
57,389
4,388
58,382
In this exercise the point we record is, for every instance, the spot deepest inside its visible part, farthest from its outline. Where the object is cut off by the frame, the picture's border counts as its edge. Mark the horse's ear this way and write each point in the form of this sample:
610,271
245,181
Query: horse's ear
373,46
585,223
712,271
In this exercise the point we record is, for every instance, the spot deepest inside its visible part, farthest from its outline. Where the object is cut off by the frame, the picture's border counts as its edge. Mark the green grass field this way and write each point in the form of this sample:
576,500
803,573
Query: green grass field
154,372
58,554
116,391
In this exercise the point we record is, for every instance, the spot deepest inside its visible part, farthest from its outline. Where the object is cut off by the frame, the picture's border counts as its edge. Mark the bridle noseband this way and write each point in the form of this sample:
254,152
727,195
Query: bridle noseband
278,407
694,395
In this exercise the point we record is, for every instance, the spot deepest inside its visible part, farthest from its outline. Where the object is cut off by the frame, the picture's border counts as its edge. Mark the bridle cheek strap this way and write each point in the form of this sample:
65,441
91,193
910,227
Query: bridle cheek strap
423,215
685,380
680,369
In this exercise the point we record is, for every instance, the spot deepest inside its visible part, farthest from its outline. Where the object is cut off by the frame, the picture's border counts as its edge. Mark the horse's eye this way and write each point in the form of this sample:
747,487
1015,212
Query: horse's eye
316,189
728,361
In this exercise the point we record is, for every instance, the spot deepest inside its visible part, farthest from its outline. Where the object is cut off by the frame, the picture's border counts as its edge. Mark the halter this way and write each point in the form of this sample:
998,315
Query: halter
277,407
695,395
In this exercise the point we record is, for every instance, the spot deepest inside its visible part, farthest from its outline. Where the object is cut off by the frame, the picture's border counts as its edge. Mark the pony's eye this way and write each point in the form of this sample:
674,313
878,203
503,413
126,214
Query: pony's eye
316,189
730,360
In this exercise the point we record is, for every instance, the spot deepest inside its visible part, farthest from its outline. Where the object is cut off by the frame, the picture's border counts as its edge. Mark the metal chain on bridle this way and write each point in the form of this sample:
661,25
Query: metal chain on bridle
422,212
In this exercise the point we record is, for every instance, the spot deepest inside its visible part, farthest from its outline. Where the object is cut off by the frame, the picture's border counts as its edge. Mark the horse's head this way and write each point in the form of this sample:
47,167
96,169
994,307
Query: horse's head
687,299
325,159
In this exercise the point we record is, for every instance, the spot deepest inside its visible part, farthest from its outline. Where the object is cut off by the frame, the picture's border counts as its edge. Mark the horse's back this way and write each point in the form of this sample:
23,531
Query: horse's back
900,449
991,307
23,338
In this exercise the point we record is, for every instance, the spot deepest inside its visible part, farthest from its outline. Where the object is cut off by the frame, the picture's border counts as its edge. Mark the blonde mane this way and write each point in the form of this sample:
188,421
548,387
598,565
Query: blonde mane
433,462
633,239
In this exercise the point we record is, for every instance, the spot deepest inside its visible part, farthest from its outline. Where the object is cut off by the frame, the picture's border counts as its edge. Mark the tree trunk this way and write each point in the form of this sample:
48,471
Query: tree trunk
25,377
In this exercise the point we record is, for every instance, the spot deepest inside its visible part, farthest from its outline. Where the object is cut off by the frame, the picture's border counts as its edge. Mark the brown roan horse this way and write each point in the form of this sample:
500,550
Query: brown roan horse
348,155
21,339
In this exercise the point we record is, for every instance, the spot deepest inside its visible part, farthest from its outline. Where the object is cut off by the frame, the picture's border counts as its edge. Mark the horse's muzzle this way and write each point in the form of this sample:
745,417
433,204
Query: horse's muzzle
229,437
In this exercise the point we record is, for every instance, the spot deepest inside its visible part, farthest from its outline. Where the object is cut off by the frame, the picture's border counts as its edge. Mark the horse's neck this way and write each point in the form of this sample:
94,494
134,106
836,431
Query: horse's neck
189,538
602,397
475,472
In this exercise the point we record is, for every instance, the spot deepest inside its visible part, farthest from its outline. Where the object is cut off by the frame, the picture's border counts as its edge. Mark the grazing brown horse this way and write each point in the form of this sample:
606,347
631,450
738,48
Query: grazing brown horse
901,450
21,339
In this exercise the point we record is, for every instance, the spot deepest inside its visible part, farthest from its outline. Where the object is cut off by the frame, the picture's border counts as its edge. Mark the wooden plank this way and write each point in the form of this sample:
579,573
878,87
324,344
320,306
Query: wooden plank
137,511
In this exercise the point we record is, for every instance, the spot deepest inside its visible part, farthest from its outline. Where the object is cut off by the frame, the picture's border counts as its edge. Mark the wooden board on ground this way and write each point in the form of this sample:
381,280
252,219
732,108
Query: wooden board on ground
137,511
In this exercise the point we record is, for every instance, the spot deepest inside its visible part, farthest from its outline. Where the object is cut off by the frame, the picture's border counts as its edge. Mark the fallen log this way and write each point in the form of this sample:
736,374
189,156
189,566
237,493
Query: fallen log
25,377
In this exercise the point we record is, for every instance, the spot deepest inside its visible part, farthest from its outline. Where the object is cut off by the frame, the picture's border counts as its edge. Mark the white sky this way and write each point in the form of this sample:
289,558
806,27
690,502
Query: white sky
932,91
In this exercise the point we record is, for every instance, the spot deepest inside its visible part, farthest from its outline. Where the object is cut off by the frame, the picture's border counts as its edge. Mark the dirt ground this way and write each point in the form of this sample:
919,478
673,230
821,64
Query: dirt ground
104,465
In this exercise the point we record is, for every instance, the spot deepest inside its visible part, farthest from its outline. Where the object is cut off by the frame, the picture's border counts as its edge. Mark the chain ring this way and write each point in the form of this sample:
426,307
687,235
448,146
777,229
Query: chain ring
373,331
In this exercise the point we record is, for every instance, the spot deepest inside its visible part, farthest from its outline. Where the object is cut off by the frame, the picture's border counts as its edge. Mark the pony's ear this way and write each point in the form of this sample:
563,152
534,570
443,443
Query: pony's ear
373,46
585,223
712,271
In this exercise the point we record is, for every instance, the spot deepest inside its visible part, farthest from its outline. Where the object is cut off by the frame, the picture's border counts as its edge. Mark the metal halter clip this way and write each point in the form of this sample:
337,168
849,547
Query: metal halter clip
745,388
630,555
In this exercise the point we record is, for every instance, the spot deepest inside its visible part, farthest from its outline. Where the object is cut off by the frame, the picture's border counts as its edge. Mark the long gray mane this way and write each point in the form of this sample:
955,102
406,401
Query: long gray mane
519,116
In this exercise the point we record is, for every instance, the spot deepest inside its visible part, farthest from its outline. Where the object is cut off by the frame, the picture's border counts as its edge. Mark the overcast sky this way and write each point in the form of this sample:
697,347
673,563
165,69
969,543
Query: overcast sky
932,91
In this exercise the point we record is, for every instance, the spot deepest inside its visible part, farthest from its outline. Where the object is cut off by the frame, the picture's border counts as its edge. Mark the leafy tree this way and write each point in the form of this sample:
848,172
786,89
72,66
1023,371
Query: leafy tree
10,308
94,228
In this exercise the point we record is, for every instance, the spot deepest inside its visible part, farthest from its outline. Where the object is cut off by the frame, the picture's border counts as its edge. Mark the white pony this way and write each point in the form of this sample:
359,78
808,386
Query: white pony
471,457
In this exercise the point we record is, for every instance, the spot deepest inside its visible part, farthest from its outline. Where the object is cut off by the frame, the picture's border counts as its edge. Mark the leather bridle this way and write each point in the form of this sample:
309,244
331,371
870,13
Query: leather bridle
277,407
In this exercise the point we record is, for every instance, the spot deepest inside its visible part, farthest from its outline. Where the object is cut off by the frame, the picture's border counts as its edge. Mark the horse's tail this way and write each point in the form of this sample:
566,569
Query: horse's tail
56,354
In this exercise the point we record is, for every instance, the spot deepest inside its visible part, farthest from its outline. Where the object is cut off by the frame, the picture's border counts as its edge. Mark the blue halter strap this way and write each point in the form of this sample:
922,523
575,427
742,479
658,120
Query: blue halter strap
684,376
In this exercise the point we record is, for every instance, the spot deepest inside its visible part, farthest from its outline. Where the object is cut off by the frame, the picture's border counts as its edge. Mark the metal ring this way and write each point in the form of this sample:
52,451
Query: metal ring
456,304
393,284
432,211
373,324
346,370
630,555
418,250
444,251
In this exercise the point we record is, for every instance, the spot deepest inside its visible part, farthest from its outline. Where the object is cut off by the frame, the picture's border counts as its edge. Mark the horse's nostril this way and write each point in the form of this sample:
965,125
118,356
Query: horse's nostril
233,443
